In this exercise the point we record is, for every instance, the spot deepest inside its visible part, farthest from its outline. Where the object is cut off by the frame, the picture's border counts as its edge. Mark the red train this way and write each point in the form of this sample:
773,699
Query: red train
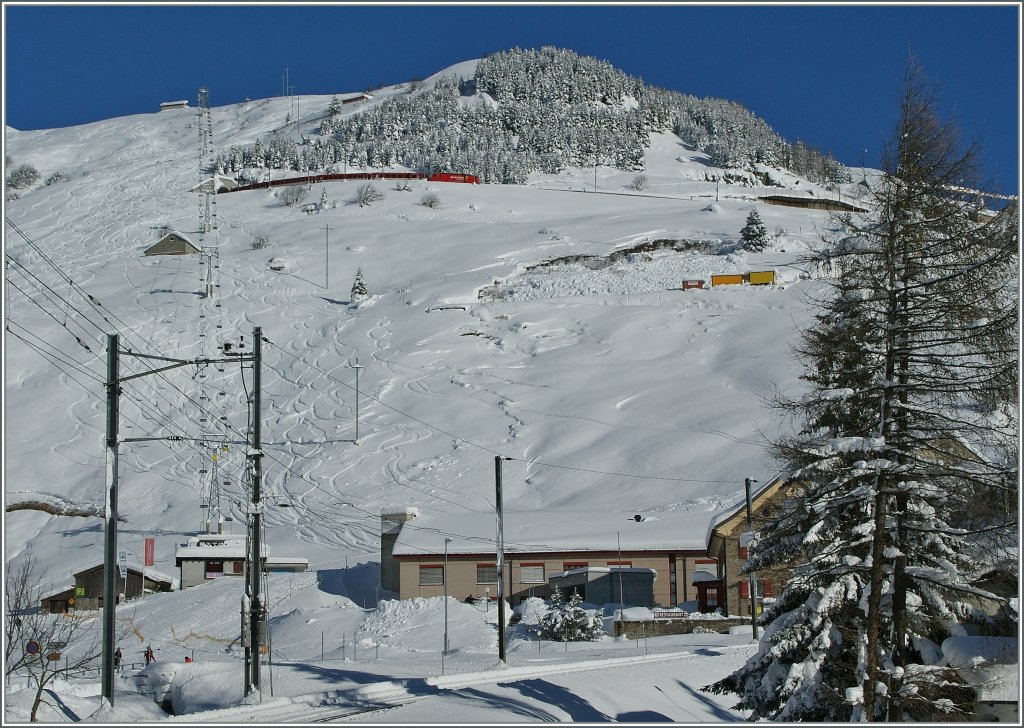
312,178
450,177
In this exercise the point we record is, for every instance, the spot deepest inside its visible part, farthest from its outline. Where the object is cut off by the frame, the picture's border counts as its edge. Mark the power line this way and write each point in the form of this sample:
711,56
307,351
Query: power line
494,452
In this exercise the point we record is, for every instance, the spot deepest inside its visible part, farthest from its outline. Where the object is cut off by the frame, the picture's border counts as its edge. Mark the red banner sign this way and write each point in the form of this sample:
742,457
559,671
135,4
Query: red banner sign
150,551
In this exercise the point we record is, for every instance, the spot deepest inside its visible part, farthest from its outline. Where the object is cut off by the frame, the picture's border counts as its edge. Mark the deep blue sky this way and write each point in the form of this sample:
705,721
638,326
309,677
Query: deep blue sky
830,75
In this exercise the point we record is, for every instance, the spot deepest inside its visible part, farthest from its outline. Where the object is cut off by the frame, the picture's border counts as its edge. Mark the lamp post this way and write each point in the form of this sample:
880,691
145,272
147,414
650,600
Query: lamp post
357,367
444,578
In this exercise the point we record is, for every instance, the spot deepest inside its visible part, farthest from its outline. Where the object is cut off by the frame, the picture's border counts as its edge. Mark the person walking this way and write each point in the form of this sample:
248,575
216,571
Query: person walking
150,657
117,659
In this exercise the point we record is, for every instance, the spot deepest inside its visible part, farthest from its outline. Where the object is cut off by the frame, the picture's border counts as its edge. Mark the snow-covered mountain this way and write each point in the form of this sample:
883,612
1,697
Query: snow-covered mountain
543,322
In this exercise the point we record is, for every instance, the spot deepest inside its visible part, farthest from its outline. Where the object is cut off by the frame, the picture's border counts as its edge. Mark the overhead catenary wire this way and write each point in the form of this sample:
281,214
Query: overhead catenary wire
486,449
430,426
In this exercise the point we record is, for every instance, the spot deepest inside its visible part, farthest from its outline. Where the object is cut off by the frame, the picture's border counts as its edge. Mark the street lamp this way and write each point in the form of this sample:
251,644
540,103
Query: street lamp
357,367
444,578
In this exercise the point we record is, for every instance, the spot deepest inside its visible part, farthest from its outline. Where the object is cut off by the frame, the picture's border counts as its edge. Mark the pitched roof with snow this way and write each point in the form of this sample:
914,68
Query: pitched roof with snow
137,567
547,531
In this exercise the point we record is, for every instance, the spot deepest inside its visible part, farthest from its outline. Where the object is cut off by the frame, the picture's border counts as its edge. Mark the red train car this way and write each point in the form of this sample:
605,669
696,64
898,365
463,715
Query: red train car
451,177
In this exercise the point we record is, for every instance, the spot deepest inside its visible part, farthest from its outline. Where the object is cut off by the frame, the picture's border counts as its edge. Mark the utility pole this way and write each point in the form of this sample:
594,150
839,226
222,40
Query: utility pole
444,577
327,255
357,366
113,387
622,601
110,519
750,554
256,613
501,558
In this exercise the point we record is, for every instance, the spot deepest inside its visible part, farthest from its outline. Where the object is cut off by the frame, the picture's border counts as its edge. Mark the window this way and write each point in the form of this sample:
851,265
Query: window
486,573
238,567
531,573
214,569
743,552
570,565
431,575
624,564
764,588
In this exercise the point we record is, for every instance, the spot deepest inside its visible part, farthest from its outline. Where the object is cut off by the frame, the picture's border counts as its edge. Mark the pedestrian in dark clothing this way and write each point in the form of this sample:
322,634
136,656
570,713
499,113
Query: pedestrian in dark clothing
150,657
117,658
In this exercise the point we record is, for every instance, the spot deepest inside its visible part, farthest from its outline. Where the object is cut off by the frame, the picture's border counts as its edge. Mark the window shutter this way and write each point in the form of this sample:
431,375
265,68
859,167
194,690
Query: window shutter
743,552
431,575
766,588
744,589
532,574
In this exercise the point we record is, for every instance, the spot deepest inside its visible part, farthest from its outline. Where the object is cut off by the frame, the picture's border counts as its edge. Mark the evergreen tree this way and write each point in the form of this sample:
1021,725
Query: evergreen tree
899,452
324,202
568,621
359,290
754,234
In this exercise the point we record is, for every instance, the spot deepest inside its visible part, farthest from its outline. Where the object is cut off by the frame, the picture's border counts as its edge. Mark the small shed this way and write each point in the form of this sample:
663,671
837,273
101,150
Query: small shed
214,555
59,602
133,581
608,585
173,243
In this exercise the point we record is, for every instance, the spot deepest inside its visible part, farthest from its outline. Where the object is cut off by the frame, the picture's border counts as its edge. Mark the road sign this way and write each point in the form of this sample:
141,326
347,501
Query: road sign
122,559
71,601
79,591
32,647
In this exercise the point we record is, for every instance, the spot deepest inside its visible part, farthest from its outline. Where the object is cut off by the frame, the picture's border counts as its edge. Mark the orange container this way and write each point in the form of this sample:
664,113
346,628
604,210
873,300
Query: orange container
726,280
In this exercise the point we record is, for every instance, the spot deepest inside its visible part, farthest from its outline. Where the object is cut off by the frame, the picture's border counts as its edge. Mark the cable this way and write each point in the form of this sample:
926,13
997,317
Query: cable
57,353
494,452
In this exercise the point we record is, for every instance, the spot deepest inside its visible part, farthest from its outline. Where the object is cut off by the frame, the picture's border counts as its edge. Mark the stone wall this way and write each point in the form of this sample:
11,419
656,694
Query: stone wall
662,627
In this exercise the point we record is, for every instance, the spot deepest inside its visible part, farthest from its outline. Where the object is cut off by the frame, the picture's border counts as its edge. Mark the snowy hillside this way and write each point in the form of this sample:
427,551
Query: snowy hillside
607,385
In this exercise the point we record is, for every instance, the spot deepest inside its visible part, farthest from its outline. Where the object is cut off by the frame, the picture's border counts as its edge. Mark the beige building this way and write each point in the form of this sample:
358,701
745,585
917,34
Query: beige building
537,546
728,547
214,555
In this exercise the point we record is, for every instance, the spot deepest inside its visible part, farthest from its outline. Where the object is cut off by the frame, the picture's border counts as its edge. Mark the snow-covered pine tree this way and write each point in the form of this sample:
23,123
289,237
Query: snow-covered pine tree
359,290
754,234
568,621
899,452
324,202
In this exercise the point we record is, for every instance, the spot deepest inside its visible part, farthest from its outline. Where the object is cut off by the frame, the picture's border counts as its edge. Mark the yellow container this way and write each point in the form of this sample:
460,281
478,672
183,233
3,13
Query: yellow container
761,277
